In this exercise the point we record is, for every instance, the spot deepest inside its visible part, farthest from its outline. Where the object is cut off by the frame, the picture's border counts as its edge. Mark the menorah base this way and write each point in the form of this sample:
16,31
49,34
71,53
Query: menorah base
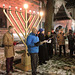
25,64
22,67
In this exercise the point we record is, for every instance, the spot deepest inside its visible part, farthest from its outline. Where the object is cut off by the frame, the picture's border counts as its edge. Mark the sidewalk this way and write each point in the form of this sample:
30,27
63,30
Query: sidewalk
55,66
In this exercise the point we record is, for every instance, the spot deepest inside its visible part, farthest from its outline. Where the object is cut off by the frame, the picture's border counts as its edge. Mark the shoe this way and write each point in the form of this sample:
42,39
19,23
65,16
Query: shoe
40,63
44,63
59,55
38,72
50,57
55,54
13,71
8,74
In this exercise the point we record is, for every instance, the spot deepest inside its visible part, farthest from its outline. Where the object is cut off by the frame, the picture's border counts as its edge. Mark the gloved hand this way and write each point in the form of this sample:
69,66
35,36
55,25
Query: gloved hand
45,41
49,41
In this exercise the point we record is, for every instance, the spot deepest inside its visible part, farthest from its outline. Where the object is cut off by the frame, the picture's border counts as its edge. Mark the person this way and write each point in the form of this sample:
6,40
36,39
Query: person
38,33
33,49
53,34
74,43
8,40
43,52
49,45
61,41
71,42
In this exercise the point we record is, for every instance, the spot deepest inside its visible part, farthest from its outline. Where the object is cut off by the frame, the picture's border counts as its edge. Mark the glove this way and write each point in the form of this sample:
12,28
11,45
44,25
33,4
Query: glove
49,41
14,43
45,41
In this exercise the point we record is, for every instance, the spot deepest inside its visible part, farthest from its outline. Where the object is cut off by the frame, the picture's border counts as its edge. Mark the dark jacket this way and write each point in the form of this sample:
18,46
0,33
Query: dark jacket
54,37
70,41
43,53
49,45
74,42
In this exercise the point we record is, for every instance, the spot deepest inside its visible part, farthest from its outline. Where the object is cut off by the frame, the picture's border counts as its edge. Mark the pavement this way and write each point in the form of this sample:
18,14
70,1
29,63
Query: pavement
55,66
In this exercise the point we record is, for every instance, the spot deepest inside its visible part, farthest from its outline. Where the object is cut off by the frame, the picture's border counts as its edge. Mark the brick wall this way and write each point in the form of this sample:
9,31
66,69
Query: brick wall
19,4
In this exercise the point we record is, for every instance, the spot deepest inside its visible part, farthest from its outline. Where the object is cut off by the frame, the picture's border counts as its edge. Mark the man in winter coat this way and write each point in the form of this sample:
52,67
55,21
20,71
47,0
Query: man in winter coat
71,42
43,52
33,49
53,34
61,41
9,49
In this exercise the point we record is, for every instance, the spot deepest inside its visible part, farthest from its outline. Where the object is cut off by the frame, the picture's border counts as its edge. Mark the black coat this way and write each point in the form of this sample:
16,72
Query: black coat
53,36
74,42
71,41
49,45
43,53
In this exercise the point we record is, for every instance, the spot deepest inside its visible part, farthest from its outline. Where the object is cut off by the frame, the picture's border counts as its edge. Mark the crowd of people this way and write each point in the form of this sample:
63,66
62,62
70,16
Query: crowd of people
40,46
47,45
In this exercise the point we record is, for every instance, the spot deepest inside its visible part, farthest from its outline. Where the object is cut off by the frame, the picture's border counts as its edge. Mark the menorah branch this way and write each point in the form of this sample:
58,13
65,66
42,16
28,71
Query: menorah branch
20,20
31,21
16,23
39,22
13,25
22,16
29,17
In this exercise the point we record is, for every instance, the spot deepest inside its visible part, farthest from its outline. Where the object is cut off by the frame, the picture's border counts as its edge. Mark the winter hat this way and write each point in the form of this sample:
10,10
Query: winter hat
70,31
40,30
61,29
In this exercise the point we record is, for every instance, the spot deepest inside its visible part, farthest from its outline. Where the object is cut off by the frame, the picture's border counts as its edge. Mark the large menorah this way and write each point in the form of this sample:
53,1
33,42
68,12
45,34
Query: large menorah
25,60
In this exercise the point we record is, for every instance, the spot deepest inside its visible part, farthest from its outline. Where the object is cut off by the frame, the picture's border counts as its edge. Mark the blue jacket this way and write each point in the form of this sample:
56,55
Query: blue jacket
31,39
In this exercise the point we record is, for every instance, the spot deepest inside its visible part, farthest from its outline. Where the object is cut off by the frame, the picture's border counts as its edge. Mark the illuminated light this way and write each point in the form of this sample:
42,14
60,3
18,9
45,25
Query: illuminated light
37,12
9,6
25,6
30,11
41,13
20,9
16,7
3,5
33,11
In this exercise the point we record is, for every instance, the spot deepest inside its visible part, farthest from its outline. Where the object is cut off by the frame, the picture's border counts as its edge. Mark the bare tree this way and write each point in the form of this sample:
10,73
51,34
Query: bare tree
48,14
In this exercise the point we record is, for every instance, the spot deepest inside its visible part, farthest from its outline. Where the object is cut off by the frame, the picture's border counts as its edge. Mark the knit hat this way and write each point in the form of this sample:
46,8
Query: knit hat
40,30
70,31
61,29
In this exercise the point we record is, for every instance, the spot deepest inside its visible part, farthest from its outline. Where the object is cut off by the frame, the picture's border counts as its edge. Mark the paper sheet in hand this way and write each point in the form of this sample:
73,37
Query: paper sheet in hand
49,41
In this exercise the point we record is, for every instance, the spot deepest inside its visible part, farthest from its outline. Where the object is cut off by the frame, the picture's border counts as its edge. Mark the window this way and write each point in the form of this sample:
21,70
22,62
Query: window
3,19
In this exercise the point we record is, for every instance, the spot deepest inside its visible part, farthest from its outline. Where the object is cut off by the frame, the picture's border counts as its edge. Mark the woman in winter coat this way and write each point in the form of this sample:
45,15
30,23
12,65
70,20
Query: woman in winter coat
71,42
43,53
49,45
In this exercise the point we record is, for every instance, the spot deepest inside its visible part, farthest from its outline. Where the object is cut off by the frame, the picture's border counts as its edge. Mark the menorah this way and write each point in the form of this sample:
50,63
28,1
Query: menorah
25,59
